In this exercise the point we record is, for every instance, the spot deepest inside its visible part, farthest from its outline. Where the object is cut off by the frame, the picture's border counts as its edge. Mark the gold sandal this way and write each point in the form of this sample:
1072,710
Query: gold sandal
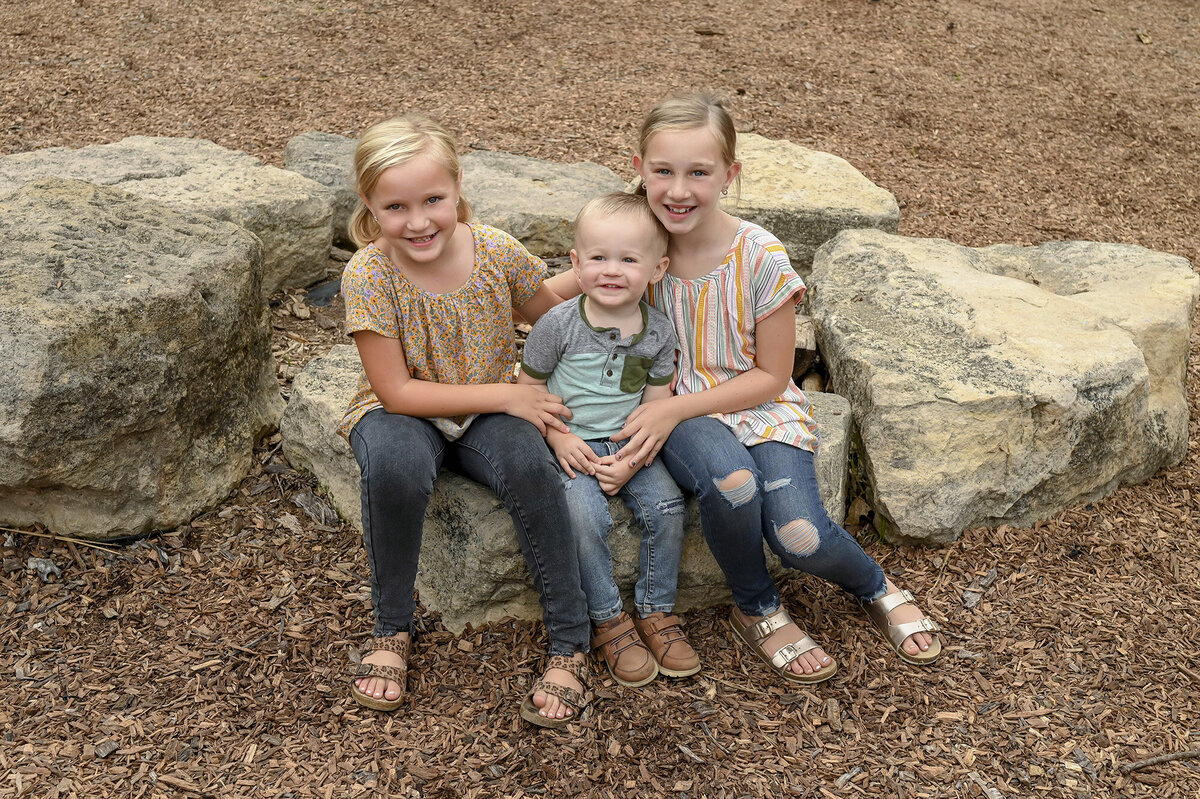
396,674
574,700
753,635
896,633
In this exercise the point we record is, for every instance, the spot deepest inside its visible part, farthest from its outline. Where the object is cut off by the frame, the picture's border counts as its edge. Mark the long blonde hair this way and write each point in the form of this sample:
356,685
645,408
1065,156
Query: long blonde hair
689,111
391,143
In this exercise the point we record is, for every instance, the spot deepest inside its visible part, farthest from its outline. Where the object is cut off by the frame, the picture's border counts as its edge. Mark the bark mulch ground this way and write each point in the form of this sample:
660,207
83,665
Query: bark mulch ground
209,660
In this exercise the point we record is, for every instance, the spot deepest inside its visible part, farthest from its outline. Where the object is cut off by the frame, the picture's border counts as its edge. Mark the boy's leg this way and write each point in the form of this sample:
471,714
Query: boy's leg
657,503
614,638
591,523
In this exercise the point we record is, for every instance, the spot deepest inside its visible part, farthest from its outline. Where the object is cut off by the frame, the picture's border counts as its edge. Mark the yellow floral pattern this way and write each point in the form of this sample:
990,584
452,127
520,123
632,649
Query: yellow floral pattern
463,337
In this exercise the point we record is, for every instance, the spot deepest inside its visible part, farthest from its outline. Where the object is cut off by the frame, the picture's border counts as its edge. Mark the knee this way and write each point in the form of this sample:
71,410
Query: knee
738,487
398,470
800,537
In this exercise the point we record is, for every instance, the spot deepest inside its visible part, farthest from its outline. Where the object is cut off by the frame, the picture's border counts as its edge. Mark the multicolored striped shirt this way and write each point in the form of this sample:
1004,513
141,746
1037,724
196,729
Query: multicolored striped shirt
715,318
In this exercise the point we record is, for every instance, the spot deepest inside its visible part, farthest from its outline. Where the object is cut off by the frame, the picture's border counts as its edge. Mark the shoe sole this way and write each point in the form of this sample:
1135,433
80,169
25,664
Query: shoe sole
638,684
673,673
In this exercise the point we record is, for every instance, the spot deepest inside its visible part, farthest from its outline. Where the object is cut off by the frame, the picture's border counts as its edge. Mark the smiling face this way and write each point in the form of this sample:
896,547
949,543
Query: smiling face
414,203
616,256
684,172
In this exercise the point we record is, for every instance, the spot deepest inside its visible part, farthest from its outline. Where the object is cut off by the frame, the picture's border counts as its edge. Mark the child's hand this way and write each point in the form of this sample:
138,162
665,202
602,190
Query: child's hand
572,453
537,406
611,474
647,429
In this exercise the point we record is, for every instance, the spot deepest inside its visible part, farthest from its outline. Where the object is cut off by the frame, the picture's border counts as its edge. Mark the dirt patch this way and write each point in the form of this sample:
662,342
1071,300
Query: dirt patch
209,661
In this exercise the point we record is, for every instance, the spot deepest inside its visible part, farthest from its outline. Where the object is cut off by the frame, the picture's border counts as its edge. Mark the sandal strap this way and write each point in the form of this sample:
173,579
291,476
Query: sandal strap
360,670
391,643
576,668
785,654
575,700
886,604
898,632
761,630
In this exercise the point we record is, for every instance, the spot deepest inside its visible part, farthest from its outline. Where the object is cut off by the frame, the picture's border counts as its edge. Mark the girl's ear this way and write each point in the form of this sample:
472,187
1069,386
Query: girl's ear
637,163
731,174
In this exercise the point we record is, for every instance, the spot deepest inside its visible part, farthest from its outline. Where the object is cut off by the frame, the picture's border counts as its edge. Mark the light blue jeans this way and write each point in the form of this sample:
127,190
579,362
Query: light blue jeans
781,504
657,504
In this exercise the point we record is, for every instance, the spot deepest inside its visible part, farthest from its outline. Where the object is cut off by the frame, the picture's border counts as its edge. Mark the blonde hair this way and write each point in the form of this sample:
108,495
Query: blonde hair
687,112
621,203
391,143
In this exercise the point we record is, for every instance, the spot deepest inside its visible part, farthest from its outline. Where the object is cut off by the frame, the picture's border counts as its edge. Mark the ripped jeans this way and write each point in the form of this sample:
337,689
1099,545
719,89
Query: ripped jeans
657,504
780,503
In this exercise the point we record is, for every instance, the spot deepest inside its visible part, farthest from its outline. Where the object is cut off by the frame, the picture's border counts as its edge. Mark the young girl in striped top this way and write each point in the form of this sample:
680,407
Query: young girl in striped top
738,434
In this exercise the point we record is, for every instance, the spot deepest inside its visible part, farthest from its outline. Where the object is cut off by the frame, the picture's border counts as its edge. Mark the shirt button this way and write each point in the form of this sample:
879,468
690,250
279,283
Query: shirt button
614,356
612,336
610,372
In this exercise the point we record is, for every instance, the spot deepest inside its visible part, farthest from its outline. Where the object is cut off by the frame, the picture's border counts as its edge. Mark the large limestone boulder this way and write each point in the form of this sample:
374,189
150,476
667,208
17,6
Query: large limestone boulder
533,200
328,159
135,367
1003,384
289,213
471,570
806,197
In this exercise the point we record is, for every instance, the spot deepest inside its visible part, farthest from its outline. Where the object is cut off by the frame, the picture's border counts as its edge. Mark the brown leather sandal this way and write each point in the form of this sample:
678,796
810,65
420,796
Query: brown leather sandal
753,635
574,700
396,674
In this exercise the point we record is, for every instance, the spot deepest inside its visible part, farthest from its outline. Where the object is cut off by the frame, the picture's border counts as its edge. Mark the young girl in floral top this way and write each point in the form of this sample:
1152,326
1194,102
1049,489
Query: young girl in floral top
429,301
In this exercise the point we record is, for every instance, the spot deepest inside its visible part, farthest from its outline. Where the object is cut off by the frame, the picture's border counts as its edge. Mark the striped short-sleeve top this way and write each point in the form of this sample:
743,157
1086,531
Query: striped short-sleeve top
464,336
715,318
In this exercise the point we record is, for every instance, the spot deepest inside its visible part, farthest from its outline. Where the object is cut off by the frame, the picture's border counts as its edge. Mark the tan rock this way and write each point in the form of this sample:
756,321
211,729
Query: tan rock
1003,384
471,570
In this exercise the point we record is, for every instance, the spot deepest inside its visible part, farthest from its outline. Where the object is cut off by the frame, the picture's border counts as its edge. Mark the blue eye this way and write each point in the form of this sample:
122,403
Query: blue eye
662,171
394,207
698,173
433,200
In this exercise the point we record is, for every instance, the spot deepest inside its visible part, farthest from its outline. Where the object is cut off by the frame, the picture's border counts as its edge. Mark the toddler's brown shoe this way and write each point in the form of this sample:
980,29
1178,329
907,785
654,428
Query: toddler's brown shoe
664,635
628,660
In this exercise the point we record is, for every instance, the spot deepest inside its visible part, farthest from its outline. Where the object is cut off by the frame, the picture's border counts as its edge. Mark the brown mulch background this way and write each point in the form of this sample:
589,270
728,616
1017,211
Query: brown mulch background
208,660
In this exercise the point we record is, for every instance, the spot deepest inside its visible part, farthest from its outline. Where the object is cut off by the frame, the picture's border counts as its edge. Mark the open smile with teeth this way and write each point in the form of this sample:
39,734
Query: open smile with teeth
422,239
680,209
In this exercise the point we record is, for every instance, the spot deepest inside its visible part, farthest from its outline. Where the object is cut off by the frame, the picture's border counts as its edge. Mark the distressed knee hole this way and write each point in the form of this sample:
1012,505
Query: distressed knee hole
775,485
671,507
738,488
799,537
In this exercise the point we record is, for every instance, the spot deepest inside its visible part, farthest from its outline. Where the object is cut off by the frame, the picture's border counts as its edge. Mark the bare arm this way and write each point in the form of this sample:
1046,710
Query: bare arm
399,392
565,285
775,343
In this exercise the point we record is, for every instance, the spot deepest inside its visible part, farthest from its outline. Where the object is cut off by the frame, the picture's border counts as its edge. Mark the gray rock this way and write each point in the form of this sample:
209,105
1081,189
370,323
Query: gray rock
289,213
1001,385
806,197
471,570
135,369
533,200
329,160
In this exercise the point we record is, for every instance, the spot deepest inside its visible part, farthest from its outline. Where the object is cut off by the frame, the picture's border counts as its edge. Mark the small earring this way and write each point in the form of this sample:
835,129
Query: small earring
725,191
457,203
375,218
